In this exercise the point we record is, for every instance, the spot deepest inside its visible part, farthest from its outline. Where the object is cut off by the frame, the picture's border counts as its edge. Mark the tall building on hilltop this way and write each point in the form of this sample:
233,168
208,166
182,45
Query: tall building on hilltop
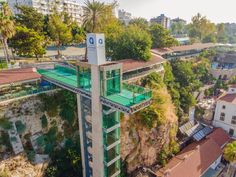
72,7
124,16
162,20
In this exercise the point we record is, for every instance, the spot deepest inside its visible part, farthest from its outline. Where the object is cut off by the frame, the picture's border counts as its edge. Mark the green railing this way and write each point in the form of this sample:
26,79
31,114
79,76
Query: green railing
130,95
26,93
58,75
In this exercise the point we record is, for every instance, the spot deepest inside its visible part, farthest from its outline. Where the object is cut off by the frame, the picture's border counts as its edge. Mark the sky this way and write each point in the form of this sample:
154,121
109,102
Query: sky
216,10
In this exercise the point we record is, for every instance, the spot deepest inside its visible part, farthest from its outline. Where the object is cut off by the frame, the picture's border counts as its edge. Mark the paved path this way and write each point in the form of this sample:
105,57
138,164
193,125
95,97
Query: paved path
67,51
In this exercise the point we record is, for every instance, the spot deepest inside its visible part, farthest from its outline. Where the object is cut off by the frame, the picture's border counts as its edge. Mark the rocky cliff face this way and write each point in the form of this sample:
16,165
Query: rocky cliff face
141,146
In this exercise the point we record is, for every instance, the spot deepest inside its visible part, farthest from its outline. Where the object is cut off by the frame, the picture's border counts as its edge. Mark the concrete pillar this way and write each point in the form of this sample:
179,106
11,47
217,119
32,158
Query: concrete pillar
81,132
97,132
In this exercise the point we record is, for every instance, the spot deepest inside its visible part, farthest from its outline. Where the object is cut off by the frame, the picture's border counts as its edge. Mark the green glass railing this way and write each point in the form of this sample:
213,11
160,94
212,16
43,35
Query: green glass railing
23,93
61,76
130,95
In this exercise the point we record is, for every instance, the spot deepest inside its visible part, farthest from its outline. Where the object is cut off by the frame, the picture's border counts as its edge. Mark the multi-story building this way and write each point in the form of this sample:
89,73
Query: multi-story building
225,112
72,7
162,20
179,20
124,16
224,66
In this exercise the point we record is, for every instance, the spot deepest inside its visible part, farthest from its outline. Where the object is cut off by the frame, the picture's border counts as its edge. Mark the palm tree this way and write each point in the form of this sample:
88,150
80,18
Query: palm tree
94,16
230,153
7,27
93,10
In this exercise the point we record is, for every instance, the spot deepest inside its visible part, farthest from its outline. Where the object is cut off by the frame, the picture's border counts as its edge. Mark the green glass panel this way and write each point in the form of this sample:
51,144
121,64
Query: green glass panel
110,120
111,154
111,137
112,169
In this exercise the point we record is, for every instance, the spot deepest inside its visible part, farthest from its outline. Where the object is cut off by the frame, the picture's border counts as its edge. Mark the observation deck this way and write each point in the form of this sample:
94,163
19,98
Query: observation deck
128,99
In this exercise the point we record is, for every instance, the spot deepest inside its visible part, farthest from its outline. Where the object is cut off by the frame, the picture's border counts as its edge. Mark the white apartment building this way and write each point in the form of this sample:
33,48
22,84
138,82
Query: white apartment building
225,112
72,7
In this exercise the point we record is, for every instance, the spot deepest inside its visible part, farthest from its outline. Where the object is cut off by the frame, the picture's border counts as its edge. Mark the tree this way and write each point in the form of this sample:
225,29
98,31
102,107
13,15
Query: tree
93,11
140,22
28,42
7,28
59,31
161,37
65,161
202,29
20,127
178,28
95,14
221,35
132,42
30,18
78,33
230,153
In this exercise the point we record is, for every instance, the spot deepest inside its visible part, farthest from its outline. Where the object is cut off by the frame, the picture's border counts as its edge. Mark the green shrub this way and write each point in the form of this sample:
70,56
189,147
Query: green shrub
4,174
44,121
5,124
20,127
31,155
67,114
5,140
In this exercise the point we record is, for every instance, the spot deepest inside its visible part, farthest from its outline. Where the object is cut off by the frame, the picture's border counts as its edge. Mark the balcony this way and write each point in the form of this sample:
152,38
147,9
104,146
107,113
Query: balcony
126,98
130,95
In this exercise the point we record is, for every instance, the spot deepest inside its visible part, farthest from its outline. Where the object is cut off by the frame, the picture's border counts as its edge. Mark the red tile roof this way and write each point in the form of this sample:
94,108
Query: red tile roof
219,136
232,86
18,75
230,98
197,46
196,158
132,64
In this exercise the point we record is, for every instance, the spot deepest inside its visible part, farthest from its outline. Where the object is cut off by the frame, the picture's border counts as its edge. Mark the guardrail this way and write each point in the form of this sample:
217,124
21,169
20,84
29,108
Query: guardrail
26,93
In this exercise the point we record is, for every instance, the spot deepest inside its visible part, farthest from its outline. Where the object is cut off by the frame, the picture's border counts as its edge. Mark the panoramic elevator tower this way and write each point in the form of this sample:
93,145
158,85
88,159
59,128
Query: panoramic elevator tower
101,96
99,124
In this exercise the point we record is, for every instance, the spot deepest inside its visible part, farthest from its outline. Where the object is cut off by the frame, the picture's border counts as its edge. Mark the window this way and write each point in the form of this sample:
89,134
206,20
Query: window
233,121
223,107
222,116
231,132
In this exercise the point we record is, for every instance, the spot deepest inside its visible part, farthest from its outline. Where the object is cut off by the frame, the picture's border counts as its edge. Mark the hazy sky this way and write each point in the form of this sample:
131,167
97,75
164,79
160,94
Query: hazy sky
215,10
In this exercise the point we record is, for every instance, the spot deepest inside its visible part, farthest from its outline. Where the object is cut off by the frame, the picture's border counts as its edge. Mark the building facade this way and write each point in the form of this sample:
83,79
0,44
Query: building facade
225,112
72,7
224,66
124,16
162,20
